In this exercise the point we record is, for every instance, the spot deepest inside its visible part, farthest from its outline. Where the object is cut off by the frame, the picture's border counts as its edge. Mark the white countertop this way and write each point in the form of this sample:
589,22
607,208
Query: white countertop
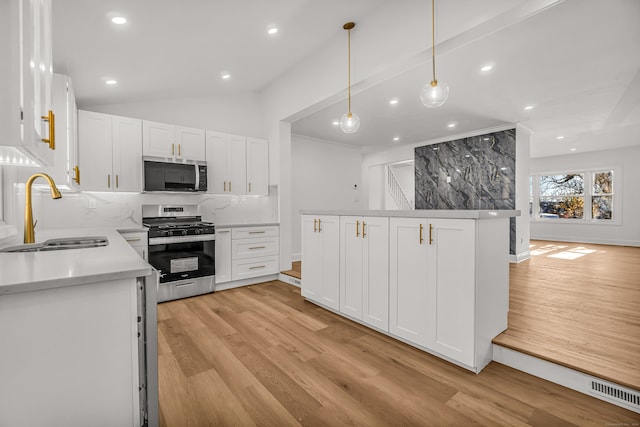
420,213
30,271
249,224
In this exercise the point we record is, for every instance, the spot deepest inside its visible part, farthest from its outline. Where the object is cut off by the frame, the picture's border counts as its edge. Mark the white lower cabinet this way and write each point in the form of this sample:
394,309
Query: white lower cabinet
438,283
321,259
246,253
138,241
364,269
223,255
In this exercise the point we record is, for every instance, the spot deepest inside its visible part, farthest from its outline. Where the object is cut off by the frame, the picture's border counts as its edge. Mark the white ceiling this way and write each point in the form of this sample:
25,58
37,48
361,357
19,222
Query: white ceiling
577,63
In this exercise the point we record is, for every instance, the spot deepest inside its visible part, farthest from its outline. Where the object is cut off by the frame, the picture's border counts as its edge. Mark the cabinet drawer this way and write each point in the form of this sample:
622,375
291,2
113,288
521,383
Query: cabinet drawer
250,248
250,232
135,239
254,267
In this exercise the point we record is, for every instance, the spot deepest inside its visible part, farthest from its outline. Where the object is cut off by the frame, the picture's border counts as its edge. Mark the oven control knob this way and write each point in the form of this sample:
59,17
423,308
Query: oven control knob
184,232
197,231
170,233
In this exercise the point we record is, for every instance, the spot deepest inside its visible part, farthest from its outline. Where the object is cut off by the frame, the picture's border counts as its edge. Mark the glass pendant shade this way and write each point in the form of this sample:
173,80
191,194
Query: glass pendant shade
349,123
434,94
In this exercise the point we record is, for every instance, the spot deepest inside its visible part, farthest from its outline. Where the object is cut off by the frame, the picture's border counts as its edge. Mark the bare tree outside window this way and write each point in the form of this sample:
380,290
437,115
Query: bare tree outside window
562,196
602,198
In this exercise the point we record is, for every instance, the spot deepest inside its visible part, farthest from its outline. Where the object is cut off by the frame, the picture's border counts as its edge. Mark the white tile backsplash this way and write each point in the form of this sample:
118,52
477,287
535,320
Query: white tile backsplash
124,210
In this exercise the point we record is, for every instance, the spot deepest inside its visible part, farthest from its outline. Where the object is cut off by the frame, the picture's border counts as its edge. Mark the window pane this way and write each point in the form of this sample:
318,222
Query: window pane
562,207
601,207
561,185
603,183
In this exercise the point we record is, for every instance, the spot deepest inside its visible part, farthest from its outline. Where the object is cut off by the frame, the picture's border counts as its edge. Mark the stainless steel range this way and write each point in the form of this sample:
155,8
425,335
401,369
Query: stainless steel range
182,249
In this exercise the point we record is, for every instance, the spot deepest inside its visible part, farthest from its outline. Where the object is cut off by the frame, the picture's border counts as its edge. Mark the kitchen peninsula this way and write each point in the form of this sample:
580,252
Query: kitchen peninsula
435,279
78,333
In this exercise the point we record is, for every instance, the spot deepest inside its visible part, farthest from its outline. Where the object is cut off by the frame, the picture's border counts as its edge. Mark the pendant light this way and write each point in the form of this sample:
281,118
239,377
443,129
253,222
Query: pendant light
435,93
349,123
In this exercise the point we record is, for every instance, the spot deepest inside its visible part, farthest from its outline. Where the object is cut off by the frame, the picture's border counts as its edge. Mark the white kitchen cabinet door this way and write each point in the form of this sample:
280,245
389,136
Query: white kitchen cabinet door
451,299
158,139
375,255
257,166
223,255
26,77
226,160
237,165
408,279
127,154
351,266
95,142
217,147
190,144
321,259
72,135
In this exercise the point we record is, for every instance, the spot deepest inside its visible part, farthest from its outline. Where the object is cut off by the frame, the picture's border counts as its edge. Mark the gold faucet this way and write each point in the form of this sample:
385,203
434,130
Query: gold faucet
29,226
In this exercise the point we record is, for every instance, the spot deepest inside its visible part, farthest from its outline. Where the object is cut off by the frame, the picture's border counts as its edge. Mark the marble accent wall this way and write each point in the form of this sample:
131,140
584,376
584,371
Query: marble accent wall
470,173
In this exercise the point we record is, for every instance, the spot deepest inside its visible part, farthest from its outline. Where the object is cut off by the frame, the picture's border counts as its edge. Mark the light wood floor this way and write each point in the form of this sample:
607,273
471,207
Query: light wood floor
262,355
578,305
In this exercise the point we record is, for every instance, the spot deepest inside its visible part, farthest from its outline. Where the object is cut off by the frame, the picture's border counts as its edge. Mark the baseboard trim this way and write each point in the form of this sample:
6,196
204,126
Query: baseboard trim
522,256
567,377
290,280
245,282
596,241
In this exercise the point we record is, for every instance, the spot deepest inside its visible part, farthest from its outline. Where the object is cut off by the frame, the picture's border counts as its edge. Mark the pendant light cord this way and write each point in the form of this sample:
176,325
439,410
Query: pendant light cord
433,38
349,68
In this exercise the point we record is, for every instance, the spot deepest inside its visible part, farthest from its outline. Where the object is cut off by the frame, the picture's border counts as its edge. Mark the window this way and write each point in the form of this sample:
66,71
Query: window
563,196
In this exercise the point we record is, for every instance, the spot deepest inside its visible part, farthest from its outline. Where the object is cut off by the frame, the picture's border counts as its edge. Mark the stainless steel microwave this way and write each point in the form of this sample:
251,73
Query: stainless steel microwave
179,176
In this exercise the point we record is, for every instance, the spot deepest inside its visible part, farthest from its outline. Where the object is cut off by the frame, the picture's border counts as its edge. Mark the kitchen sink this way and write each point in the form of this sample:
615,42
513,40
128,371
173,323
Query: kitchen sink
61,244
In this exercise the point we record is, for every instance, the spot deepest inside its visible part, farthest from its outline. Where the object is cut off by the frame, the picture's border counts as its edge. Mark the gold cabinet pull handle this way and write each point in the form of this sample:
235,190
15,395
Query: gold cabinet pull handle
179,150
173,149
229,186
363,232
76,170
117,180
249,187
315,227
257,267
421,239
357,228
109,181
225,187
319,227
430,233
257,247
51,118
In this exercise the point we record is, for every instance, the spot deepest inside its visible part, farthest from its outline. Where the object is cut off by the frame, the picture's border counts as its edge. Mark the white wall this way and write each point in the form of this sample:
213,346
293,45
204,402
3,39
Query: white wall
238,114
323,176
628,188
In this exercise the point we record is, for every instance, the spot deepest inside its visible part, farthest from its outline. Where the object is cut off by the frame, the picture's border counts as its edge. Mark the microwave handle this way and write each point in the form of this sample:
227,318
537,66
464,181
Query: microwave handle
197,177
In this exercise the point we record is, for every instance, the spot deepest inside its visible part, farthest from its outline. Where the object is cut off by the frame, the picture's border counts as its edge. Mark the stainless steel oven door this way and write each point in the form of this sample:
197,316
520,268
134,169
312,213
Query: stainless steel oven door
183,257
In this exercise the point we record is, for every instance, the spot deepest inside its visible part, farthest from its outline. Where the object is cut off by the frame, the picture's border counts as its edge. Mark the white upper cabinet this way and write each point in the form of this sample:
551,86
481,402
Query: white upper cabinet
169,141
27,116
227,163
110,152
190,143
257,166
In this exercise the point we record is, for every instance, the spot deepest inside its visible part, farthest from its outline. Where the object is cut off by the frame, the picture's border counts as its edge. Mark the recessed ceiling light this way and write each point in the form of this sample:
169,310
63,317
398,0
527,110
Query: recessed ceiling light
393,101
272,30
560,137
396,138
528,107
451,125
111,82
335,122
225,76
486,68
572,149
119,20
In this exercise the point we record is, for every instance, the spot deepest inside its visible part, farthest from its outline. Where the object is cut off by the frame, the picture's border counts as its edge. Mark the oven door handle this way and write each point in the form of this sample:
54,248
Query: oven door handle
181,239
